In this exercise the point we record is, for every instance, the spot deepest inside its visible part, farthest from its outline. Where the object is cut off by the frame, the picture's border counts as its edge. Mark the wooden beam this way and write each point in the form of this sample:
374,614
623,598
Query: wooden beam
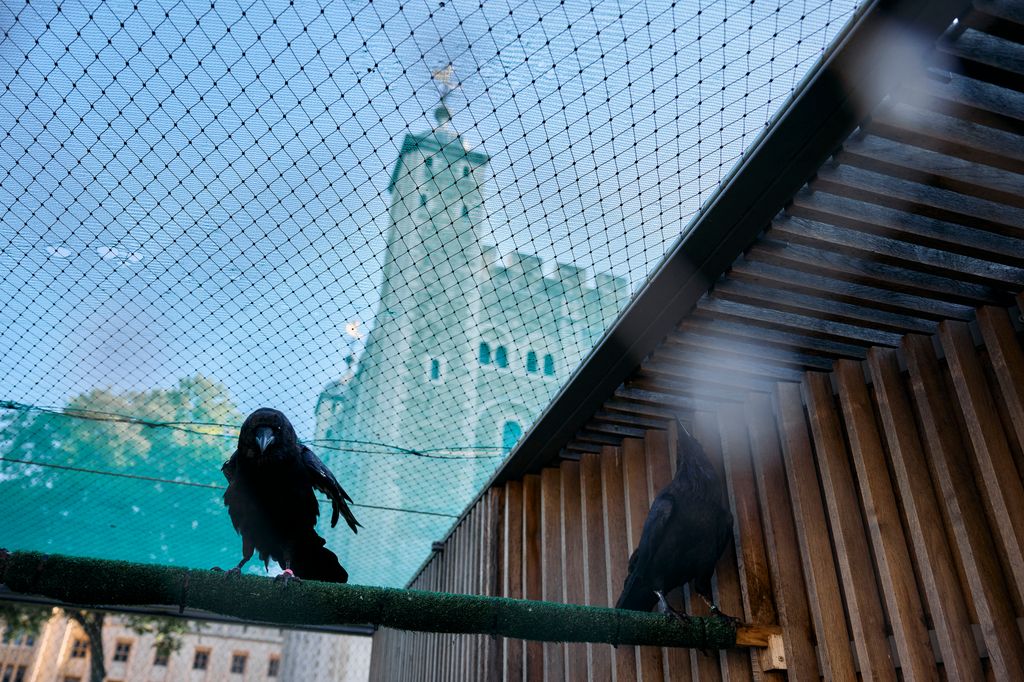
813,535
1008,364
849,538
573,567
616,548
1000,480
797,655
939,579
948,461
892,560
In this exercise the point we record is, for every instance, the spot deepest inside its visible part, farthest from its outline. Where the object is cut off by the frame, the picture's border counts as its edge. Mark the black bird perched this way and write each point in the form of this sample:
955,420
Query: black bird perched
685,533
270,498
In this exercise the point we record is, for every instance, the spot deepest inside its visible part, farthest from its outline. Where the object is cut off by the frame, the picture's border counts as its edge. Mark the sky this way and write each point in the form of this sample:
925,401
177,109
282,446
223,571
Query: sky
202,187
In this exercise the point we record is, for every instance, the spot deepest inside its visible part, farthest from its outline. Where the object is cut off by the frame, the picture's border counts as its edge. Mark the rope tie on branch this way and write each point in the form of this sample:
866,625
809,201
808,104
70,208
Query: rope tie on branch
110,584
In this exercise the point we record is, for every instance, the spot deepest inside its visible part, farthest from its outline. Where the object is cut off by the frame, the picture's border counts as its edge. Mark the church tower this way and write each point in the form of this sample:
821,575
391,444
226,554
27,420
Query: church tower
466,347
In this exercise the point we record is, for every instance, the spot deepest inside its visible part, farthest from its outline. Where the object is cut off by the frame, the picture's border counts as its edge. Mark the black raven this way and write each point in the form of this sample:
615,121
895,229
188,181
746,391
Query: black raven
270,498
685,533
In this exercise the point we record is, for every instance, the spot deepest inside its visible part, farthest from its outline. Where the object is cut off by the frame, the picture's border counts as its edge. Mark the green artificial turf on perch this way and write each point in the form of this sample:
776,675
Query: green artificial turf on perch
109,584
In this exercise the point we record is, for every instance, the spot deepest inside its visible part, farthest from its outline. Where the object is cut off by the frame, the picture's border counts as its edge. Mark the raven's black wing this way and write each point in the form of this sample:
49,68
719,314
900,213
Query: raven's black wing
638,588
324,481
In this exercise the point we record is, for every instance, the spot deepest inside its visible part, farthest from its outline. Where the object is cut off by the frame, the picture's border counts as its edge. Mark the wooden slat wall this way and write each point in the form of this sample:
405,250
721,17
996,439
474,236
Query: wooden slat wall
857,380
869,524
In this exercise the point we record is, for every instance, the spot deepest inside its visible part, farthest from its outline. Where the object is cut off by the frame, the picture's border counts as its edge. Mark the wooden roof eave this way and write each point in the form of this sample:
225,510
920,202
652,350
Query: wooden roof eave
876,52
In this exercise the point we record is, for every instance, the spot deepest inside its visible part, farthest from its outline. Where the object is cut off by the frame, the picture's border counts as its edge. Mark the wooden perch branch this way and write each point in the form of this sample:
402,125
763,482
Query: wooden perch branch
109,584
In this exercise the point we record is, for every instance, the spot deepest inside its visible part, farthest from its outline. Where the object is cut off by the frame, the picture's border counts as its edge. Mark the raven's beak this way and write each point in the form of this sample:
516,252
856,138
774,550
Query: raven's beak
264,437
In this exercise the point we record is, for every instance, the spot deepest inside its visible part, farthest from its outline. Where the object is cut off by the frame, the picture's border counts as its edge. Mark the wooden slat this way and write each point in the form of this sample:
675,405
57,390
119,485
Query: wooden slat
788,586
735,665
616,548
1008,364
869,272
700,372
532,567
774,298
920,199
900,254
573,571
755,577
988,58
825,207
642,410
743,371
637,505
797,341
551,562
789,322
932,168
659,473
948,461
599,663
851,546
895,570
513,572
848,290
695,340
494,662
1001,483
970,100
922,127
939,579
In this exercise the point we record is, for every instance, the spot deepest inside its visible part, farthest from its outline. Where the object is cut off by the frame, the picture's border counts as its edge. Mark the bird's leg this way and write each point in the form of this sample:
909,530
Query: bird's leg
287,575
716,612
666,608
247,551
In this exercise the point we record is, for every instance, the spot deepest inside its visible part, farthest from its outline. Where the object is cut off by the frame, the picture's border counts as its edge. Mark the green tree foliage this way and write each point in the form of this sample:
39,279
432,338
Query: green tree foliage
22,619
180,433
168,632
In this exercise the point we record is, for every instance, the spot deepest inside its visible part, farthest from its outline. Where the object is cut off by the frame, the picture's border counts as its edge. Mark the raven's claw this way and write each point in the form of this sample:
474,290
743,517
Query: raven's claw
286,577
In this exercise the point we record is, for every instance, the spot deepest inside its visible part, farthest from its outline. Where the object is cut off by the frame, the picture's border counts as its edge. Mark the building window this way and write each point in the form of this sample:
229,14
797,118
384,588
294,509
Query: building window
238,663
485,354
501,357
435,370
19,674
121,651
510,434
273,666
72,678
423,200
531,362
465,211
201,659
8,672
160,658
80,648
429,161
549,366
30,640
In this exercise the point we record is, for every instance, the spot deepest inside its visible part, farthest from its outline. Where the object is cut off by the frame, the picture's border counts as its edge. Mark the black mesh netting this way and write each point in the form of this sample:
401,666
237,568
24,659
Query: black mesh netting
402,223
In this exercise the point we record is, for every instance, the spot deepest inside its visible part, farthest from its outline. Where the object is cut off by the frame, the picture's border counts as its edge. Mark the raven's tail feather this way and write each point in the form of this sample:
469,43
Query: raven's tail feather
636,596
312,561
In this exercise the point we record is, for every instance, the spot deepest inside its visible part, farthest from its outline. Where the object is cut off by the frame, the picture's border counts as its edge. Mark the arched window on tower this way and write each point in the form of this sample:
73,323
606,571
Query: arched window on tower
501,357
485,353
511,432
465,171
549,365
531,362
423,200
465,211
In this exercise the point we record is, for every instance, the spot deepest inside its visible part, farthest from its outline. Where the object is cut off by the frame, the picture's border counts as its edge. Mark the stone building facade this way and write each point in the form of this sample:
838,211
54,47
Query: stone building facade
466,348
216,652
